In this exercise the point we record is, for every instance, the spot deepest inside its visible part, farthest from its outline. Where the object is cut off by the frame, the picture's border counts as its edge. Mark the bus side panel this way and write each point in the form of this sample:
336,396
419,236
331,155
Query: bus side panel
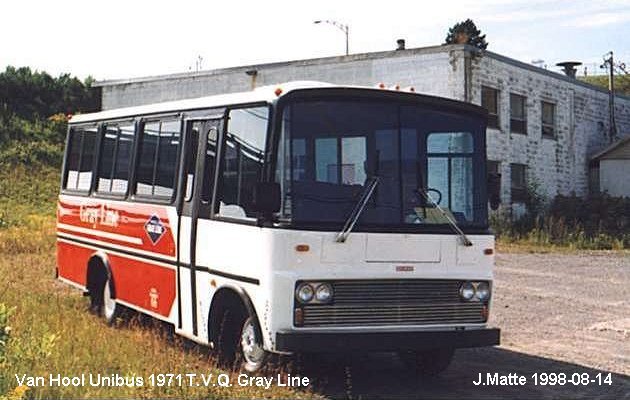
72,262
147,286
138,240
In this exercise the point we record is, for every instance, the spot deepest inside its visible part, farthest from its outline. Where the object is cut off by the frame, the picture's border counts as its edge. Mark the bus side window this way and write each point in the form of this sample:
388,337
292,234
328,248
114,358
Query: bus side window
208,172
156,167
191,162
116,149
243,159
80,159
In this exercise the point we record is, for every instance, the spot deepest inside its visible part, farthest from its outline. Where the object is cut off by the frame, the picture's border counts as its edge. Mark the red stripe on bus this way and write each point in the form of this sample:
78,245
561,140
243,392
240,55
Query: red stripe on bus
148,286
72,262
145,285
128,219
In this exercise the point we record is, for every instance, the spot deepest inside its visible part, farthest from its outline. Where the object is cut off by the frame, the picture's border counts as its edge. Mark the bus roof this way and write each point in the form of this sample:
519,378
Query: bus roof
261,94
266,94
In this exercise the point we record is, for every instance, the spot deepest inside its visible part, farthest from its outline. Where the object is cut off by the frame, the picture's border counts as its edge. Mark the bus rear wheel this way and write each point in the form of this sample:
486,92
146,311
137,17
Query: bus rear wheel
103,301
429,362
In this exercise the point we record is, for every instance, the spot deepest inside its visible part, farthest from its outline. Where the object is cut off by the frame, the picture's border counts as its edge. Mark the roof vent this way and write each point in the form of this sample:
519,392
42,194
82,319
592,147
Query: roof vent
569,68
401,44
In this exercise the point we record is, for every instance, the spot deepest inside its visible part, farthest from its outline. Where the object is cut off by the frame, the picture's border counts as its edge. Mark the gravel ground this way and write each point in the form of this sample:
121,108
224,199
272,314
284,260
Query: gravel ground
573,307
559,313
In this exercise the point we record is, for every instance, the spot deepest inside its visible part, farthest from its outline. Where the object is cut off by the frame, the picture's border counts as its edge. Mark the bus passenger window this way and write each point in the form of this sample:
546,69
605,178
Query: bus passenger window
243,159
158,158
191,162
116,149
80,160
208,172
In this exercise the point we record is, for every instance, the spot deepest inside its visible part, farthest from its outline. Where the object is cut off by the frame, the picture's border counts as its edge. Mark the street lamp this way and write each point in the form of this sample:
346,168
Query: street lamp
343,27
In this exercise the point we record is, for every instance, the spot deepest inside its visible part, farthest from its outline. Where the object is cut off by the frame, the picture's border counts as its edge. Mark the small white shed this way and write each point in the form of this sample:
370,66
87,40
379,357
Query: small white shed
610,169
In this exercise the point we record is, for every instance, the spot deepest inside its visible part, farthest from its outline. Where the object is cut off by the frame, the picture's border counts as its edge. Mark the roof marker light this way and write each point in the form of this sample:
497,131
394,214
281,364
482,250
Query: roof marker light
381,85
278,91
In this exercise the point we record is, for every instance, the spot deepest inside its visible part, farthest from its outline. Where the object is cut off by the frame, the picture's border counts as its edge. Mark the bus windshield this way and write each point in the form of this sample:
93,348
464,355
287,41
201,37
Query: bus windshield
422,156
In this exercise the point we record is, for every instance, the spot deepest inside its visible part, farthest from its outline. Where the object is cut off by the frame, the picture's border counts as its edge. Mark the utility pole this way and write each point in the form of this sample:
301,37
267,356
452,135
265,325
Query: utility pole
610,64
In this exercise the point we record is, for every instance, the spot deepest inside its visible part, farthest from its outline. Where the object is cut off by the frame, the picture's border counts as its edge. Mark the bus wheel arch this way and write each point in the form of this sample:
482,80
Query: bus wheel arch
232,322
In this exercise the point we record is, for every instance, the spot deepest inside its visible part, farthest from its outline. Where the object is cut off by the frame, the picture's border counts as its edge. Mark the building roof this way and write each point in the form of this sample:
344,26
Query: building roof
619,149
357,57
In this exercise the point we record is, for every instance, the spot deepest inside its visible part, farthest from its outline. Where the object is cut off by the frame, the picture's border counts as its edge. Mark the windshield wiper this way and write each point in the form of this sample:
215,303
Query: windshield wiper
451,221
358,209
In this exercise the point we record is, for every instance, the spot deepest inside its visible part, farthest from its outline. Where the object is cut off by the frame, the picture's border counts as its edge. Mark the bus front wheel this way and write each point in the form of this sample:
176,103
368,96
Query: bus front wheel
239,341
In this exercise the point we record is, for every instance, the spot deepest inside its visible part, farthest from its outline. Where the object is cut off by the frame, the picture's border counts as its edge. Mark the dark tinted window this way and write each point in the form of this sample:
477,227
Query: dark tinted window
490,101
108,148
518,115
548,119
146,158
157,162
87,160
243,159
116,153
208,173
120,181
518,181
73,159
80,159
191,161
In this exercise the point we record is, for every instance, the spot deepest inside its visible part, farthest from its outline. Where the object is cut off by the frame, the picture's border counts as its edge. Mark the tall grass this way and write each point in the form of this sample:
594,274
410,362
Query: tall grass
597,222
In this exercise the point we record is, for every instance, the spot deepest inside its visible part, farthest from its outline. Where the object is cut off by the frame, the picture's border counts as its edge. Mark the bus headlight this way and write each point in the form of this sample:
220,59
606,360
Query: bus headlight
483,291
304,293
467,291
324,293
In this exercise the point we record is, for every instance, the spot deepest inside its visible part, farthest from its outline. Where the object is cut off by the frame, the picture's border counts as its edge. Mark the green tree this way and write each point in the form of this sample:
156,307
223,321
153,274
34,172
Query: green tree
622,82
466,32
36,95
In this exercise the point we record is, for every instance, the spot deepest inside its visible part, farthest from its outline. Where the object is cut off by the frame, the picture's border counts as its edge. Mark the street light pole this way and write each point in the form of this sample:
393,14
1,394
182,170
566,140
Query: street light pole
343,27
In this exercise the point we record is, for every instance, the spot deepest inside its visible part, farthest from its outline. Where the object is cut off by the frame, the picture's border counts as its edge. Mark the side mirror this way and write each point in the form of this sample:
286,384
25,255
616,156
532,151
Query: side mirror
266,198
494,190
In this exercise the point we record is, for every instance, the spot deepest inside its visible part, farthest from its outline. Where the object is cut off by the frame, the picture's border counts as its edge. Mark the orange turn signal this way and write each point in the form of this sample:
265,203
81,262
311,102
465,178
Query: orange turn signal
302,247
298,317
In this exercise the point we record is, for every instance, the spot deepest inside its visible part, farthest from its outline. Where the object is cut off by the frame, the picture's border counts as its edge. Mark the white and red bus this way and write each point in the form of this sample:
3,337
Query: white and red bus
298,218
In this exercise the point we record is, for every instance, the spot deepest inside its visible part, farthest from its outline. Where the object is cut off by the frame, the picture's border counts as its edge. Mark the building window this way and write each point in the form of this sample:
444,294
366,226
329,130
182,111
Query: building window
518,173
490,101
548,119
518,116
494,178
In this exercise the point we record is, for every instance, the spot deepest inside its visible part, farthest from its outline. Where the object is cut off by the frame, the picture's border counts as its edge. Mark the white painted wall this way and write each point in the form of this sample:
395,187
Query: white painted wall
614,177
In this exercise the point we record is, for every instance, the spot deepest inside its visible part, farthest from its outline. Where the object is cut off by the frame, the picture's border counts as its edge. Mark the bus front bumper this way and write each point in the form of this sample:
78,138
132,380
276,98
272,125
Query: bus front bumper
327,342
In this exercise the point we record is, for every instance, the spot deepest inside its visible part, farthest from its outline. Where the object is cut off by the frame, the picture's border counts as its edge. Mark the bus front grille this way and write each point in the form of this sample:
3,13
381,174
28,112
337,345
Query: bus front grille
394,302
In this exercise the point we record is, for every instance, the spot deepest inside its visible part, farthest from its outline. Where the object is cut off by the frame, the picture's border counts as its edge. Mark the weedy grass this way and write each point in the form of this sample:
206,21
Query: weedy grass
45,326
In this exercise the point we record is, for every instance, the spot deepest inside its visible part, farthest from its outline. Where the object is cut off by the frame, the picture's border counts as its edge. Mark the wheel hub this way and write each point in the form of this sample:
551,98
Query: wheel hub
251,344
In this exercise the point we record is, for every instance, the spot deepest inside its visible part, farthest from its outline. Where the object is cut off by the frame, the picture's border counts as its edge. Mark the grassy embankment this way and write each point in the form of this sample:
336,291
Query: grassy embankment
52,332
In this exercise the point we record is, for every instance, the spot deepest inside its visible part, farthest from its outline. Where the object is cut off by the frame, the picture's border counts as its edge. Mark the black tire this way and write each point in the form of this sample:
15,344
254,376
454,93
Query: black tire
234,324
430,362
103,303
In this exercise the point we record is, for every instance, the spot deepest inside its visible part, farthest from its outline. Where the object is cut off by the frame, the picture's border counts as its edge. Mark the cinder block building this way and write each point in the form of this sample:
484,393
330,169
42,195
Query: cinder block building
544,126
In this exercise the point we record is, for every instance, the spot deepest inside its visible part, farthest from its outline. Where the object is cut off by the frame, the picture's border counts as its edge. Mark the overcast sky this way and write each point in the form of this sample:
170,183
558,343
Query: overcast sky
126,38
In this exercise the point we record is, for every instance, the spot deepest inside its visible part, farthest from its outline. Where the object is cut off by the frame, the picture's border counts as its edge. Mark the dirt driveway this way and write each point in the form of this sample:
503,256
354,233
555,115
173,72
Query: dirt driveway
559,313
